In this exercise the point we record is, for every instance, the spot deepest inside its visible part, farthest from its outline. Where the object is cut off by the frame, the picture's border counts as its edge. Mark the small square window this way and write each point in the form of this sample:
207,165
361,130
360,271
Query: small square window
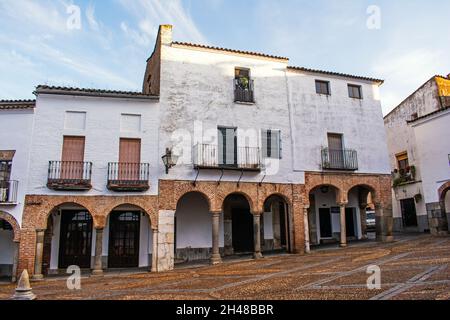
355,91
323,87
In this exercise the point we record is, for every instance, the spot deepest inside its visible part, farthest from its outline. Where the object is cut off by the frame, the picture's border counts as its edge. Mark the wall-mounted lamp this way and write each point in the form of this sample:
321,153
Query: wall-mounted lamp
169,160
324,189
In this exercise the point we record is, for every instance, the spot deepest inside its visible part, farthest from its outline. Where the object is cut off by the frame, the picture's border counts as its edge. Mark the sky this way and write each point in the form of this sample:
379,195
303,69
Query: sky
404,42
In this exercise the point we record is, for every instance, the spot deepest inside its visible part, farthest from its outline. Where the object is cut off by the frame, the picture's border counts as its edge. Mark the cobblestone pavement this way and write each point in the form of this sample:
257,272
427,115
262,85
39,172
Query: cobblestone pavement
413,267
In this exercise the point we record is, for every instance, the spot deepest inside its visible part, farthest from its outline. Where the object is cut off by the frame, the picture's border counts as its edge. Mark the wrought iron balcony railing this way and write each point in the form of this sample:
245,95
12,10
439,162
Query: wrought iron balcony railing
207,156
345,159
128,176
69,175
244,91
8,192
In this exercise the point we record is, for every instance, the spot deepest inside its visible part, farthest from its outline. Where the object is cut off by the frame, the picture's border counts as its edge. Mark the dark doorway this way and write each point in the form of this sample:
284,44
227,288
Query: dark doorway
124,233
350,222
409,213
76,239
325,223
242,228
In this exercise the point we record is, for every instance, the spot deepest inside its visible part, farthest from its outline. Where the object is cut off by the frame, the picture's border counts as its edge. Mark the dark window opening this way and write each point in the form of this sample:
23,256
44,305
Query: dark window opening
323,87
355,91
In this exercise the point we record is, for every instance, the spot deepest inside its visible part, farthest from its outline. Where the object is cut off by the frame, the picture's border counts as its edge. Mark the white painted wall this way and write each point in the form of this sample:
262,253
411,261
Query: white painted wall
268,225
194,223
102,131
328,200
197,86
433,148
315,115
16,128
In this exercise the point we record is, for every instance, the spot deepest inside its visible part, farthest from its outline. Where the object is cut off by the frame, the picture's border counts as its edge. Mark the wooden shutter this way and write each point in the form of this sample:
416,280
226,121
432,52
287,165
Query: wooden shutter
72,166
73,149
271,144
264,143
335,141
129,159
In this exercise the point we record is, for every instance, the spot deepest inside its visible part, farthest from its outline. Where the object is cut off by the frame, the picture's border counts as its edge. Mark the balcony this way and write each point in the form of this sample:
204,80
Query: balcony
404,176
69,175
244,90
207,156
128,177
346,160
8,192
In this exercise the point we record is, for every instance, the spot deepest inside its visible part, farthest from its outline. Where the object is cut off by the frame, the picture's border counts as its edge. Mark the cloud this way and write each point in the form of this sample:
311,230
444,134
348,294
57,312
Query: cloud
151,13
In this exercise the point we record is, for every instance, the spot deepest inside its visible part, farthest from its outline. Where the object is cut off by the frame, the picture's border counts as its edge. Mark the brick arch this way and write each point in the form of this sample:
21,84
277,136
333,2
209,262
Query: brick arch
14,224
443,190
341,195
146,205
280,195
206,197
371,189
251,203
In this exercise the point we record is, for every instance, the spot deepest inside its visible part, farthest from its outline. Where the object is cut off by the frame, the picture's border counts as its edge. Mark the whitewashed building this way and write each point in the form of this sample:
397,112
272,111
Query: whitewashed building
419,147
224,152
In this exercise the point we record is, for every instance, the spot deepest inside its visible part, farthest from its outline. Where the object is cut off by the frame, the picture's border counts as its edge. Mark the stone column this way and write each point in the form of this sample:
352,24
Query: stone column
228,236
384,223
307,242
257,235
276,225
39,255
215,257
98,265
154,267
363,215
166,240
15,262
342,206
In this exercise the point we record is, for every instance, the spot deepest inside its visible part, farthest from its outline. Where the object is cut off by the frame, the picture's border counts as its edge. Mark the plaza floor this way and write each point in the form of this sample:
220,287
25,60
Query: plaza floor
412,267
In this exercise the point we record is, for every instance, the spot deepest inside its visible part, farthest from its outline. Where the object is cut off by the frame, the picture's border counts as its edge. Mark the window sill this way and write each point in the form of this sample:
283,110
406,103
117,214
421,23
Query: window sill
245,103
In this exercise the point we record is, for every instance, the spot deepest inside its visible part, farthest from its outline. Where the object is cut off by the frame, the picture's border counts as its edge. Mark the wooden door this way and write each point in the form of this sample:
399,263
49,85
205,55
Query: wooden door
228,147
75,246
350,222
242,230
336,150
129,159
72,165
124,235
325,223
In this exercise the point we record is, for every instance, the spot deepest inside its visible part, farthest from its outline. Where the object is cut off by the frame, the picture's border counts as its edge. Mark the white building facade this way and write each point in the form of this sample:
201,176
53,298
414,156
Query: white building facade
419,149
224,152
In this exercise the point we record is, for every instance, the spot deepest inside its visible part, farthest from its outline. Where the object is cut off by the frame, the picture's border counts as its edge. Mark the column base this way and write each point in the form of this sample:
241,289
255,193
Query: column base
37,277
343,245
97,273
257,255
216,259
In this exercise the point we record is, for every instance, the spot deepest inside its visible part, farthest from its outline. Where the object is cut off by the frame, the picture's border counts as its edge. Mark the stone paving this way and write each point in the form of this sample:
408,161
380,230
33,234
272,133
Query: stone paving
413,267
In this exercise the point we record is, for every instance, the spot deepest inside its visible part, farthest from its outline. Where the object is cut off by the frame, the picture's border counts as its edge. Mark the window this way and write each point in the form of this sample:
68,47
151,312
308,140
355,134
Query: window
5,170
355,91
227,146
243,86
323,87
271,144
402,161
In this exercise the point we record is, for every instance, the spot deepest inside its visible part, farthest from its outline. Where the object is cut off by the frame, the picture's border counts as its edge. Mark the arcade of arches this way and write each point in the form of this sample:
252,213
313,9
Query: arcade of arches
203,221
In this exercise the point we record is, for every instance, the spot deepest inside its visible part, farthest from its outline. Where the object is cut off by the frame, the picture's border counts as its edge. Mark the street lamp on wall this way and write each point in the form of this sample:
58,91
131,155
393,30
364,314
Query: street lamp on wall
169,160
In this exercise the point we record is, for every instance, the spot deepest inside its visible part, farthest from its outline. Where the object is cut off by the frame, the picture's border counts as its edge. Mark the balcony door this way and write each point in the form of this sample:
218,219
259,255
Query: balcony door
129,159
336,150
228,147
5,173
72,165
124,235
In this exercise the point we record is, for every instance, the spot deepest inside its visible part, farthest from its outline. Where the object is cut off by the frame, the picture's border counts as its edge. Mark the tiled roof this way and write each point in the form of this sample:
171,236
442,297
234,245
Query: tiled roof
201,46
17,104
43,89
330,73
429,115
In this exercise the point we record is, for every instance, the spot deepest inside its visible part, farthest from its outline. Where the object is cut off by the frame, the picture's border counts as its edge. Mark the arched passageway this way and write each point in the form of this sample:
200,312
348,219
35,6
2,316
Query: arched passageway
193,228
276,222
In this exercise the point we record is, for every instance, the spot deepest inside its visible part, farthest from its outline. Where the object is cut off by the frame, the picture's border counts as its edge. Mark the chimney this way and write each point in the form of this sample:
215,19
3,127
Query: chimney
165,34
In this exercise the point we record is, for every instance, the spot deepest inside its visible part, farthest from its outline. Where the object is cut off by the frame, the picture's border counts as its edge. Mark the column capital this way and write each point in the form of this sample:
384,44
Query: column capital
216,213
257,213
40,230
342,204
99,229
